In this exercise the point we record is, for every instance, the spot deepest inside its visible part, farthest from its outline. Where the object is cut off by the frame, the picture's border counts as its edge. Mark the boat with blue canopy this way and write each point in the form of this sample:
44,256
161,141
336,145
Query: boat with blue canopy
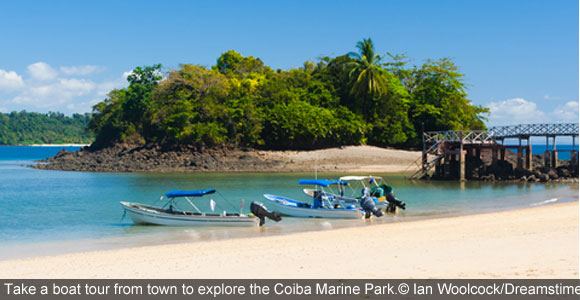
350,190
319,208
171,212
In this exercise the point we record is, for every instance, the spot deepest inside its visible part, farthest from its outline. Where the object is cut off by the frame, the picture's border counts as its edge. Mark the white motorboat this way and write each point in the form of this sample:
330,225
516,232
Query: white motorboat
169,214
291,207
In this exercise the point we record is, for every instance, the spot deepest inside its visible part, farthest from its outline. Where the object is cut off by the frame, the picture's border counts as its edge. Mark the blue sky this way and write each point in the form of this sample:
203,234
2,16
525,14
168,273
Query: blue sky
520,57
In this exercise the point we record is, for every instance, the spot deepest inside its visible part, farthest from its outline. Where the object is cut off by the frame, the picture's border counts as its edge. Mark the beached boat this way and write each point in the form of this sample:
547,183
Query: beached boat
170,214
330,191
349,189
324,205
291,207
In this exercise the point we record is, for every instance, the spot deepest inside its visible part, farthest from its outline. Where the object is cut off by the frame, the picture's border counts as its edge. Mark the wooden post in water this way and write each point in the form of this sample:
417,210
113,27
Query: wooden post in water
547,153
529,161
446,162
520,154
424,156
554,154
461,158
573,154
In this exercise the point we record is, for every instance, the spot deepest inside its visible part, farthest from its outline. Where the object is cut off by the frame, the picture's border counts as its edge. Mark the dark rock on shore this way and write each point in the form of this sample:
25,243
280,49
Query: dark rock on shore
156,158
505,170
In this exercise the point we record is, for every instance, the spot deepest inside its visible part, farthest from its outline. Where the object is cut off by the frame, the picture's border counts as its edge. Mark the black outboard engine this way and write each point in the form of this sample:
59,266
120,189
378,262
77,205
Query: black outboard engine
368,205
259,210
394,203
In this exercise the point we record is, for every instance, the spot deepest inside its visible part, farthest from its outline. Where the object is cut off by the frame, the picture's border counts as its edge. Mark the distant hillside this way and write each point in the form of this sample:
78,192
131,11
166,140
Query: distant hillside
25,128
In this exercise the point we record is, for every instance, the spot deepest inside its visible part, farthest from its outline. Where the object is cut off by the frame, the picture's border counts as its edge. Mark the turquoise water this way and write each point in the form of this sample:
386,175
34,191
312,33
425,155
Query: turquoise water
49,212
541,148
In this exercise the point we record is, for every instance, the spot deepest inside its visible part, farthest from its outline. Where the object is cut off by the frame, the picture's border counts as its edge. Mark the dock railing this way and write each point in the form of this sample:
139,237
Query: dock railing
501,132
457,145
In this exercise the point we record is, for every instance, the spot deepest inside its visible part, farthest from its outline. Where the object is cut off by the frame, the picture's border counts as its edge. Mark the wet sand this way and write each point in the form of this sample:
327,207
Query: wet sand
538,242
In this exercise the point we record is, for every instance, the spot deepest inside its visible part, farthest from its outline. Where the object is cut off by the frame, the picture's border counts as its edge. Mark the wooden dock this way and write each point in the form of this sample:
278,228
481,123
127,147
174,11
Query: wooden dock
449,152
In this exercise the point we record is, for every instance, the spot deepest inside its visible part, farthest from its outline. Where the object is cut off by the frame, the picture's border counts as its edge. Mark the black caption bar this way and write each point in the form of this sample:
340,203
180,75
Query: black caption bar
289,289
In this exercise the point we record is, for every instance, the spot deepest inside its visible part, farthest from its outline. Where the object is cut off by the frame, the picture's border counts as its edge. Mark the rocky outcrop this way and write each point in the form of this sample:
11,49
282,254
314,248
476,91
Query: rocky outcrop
505,170
155,158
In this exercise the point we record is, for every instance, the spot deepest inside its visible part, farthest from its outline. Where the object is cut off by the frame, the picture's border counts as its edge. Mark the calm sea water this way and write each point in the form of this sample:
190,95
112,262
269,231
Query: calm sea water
541,148
50,212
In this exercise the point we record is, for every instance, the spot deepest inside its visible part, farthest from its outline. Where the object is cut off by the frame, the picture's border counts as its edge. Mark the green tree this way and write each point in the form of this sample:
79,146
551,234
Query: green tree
24,128
142,82
330,102
232,62
368,81
440,99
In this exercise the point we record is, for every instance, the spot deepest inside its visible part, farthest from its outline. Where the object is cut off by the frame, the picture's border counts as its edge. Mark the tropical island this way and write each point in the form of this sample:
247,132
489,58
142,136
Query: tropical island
198,118
30,128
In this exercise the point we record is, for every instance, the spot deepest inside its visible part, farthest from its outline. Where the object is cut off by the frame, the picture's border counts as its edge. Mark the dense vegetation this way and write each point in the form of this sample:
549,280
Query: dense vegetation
25,128
358,98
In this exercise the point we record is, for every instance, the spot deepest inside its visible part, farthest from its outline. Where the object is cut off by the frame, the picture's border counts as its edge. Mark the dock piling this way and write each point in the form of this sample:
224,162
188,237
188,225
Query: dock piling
460,146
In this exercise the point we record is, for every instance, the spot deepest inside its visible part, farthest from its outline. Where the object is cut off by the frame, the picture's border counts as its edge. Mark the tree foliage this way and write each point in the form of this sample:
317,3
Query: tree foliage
368,81
351,99
26,128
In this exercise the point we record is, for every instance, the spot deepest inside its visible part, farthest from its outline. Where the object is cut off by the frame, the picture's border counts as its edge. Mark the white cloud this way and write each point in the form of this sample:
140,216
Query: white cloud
78,87
10,80
521,111
550,97
47,89
566,113
42,71
81,70
126,74
104,88
515,111
58,92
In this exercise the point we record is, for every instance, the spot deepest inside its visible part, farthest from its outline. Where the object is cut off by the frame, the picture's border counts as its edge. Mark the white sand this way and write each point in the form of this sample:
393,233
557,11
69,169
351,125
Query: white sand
356,159
539,242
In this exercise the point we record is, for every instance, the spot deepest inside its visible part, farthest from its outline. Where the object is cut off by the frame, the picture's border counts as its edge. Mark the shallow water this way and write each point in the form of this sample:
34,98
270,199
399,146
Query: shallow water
50,212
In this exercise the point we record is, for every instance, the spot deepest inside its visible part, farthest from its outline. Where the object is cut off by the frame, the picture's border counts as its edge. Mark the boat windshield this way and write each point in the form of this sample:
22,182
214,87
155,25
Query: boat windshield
360,182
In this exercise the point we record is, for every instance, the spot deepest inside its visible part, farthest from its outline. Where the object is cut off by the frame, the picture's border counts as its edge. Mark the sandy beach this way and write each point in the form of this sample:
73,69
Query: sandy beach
538,242
128,158
353,159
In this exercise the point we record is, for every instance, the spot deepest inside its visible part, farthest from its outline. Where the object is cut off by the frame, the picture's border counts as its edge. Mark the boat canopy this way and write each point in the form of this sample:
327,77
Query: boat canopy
321,182
358,178
198,193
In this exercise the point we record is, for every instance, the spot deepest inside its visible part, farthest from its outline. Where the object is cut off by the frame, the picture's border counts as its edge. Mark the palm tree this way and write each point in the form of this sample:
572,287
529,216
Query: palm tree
367,77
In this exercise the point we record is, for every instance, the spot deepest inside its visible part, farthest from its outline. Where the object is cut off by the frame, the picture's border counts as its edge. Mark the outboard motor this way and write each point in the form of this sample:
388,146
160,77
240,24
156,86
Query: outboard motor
259,210
394,203
368,205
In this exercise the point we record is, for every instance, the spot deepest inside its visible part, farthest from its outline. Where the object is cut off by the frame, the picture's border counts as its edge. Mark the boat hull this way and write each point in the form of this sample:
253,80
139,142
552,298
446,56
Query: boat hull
144,214
289,207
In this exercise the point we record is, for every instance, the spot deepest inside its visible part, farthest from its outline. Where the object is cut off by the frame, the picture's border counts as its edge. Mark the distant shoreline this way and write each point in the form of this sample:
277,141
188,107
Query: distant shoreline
53,145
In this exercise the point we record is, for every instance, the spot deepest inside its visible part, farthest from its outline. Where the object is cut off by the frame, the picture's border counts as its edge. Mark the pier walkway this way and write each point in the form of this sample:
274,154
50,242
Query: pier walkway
443,149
